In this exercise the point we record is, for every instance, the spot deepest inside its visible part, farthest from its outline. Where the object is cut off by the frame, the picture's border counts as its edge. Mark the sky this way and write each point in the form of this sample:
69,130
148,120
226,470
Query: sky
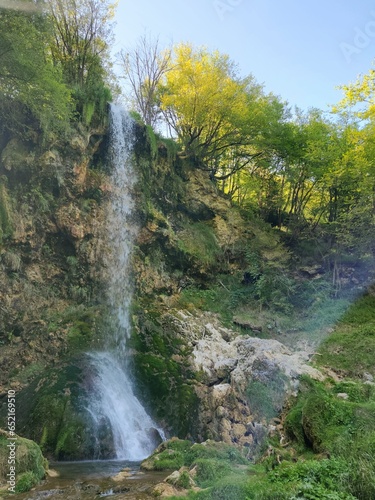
300,50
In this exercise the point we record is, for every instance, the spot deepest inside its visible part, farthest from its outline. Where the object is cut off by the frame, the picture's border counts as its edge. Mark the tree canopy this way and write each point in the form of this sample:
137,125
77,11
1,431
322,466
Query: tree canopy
31,87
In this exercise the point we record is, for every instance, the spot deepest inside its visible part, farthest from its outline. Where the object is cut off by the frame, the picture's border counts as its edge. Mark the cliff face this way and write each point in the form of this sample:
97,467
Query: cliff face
50,248
208,350
52,208
191,242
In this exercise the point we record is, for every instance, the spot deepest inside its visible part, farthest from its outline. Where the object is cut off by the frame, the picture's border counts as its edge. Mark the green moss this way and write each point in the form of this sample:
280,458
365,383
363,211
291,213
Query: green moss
350,348
51,412
171,147
170,455
30,464
167,384
215,451
199,242
152,141
344,429
26,481
184,480
231,487
362,312
209,470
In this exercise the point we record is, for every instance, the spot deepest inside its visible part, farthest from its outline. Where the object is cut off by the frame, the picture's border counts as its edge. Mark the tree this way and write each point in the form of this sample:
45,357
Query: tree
216,115
144,67
31,88
201,100
82,32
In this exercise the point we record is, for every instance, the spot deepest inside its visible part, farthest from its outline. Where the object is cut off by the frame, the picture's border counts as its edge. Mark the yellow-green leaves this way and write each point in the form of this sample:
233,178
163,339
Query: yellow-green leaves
204,101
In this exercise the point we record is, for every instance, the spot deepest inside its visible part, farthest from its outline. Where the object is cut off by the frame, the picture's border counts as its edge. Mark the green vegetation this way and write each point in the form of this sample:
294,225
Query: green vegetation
212,460
29,462
163,373
341,428
199,243
223,473
5,212
252,212
349,350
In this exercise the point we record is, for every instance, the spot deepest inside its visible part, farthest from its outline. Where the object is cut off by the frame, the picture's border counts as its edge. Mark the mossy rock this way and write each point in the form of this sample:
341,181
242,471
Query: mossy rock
213,459
29,463
52,413
169,455
165,379
323,420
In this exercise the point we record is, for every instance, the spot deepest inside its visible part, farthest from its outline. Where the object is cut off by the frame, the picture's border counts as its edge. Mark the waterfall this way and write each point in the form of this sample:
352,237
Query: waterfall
113,405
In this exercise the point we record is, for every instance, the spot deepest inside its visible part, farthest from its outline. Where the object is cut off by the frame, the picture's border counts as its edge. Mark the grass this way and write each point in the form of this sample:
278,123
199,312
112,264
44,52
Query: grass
350,349
342,429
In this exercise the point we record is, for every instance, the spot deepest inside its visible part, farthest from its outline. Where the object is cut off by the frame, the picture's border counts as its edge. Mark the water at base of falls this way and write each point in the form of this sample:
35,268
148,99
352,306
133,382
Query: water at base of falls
117,414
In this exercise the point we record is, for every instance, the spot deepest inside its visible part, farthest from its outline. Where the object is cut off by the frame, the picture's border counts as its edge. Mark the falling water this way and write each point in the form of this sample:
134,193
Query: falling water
113,403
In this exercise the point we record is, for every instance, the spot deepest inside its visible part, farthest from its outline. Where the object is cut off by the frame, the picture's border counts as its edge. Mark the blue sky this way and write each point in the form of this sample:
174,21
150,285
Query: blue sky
300,50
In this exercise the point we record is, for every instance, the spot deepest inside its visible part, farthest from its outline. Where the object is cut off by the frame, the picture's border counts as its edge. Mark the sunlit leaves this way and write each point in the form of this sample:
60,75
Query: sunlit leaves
204,102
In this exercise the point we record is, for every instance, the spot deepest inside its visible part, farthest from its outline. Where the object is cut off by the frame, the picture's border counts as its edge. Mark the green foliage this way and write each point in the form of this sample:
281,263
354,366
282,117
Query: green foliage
345,429
27,68
350,347
170,455
214,113
231,487
214,451
184,480
361,313
92,100
26,481
210,470
152,141
199,242
315,479
216,298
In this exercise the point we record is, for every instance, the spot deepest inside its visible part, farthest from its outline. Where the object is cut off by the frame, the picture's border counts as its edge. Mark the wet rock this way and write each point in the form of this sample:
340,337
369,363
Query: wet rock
124,474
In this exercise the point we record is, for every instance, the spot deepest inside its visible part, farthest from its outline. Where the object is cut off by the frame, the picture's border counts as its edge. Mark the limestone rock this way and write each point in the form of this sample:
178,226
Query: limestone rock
229,362
164,490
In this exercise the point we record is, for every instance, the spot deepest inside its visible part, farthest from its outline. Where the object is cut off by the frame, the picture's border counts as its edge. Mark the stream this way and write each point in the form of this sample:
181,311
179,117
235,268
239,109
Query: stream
117,479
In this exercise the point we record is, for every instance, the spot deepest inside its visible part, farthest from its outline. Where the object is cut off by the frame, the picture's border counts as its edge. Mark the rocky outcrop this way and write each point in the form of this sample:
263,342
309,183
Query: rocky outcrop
243,380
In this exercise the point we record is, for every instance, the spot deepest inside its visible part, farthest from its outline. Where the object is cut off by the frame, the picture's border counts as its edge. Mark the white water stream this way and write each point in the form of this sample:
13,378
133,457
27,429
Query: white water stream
112,401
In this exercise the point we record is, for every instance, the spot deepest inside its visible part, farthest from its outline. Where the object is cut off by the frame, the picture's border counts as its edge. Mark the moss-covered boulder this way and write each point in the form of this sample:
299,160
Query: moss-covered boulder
22,464
195,466
52,412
